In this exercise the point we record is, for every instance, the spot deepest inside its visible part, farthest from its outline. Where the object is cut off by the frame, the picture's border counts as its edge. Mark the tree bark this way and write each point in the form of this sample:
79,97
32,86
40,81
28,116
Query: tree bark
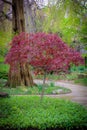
18,16
22,76
30,18
43,87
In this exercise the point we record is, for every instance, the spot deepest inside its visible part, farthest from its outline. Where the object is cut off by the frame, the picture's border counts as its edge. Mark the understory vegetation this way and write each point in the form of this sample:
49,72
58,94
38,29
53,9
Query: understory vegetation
73,75
35,90
27,112
77,75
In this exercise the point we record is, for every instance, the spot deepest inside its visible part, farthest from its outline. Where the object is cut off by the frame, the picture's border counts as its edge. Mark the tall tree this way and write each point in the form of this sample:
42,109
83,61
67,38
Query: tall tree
22,76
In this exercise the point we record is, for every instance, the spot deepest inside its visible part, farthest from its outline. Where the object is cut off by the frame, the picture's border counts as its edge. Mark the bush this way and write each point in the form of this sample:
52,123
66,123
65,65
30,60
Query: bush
4,71
27,112
81,81
80,69
3,75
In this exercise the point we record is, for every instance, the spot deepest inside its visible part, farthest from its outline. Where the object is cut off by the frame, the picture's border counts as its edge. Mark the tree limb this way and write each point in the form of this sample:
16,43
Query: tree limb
7,2
6,16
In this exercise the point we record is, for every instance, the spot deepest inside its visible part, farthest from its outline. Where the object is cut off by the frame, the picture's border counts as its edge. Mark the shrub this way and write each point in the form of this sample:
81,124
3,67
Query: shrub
27,112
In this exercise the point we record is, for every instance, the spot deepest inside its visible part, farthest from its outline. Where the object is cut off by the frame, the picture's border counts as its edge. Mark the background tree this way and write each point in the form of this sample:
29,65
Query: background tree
18,16
69,22
14,79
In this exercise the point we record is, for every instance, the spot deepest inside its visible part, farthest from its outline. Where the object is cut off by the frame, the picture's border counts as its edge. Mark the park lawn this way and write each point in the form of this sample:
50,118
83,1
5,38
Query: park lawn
29,112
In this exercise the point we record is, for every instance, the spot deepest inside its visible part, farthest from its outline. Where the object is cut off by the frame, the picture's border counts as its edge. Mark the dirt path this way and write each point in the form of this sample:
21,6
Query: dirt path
79,93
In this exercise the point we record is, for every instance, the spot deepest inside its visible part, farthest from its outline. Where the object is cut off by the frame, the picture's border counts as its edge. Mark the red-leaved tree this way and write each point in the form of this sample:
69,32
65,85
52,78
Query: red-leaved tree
45,52
48,53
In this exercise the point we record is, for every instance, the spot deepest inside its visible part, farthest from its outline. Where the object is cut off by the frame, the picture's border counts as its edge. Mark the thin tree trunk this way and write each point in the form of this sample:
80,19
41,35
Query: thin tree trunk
43,88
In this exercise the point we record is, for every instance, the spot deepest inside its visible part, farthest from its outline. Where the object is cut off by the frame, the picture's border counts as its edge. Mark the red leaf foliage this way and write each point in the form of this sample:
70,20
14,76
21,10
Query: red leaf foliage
44,51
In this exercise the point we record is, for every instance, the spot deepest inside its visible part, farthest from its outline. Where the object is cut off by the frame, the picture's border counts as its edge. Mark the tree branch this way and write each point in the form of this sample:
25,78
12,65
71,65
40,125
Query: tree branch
6,16
78,2
7,2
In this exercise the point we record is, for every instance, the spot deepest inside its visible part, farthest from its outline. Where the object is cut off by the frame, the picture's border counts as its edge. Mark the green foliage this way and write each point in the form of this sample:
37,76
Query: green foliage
1,59
71,76
50,76
52,84
4,71
3,75
25,112
66,18
21,90
5,38
78,69
4,67
81,81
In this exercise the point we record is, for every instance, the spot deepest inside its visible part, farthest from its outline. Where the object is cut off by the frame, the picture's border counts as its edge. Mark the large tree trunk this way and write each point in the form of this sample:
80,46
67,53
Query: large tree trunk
30,17
18,16
22,76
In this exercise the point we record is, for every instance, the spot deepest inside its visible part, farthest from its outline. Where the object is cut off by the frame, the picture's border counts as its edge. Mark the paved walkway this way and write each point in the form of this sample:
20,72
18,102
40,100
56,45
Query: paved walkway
79,93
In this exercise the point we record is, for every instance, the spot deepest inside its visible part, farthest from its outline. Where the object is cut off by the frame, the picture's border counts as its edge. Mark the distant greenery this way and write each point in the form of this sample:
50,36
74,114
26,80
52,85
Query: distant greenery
66,19
4,71
5,38
1,58
73,75
26,112
79,69
4,67
81,81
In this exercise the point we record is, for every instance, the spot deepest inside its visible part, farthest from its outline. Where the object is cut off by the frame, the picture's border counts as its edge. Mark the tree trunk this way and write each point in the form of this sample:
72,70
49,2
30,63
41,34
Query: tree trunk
18,16
43,87
30,17
22,76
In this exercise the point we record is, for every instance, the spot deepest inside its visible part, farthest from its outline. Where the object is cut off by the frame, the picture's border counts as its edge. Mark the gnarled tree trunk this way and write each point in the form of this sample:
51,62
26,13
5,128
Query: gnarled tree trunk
18,16
22,76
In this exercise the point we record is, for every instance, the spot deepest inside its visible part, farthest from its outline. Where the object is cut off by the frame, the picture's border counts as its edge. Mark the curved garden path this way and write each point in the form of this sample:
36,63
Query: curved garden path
78,94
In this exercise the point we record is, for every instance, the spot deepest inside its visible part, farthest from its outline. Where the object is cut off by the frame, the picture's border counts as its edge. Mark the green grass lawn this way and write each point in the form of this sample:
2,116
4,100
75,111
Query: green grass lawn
26,112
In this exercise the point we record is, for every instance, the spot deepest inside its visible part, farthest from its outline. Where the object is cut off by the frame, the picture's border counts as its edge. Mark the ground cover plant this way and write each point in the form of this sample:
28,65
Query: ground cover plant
81,81
35,90
27,112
